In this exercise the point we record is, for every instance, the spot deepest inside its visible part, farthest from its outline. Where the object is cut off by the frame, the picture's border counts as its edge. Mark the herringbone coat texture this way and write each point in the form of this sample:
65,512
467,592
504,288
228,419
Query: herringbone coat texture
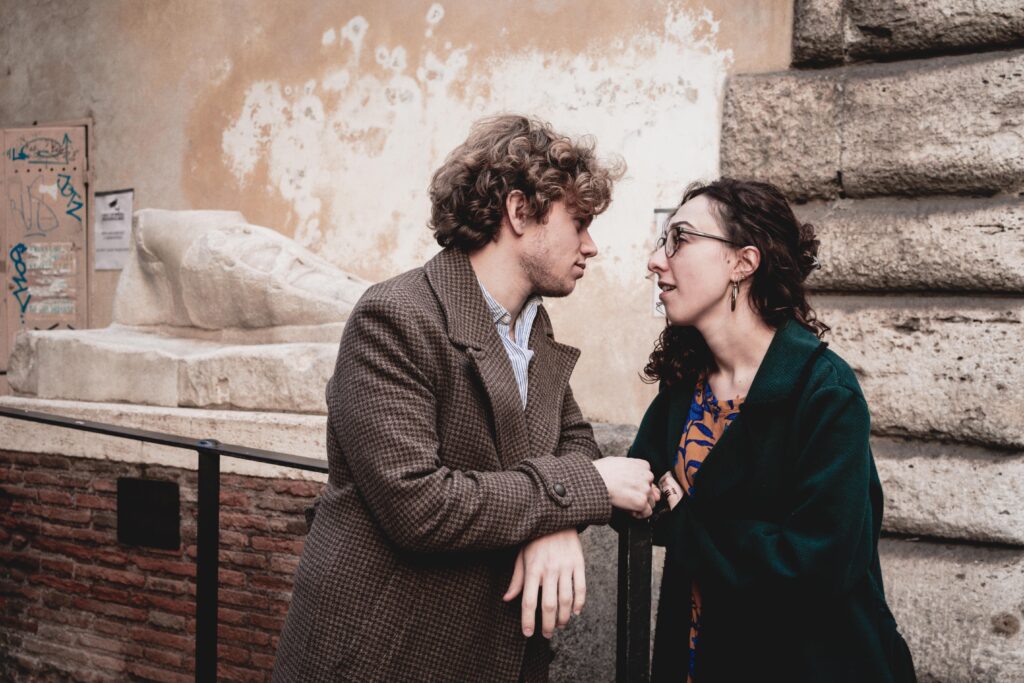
437,477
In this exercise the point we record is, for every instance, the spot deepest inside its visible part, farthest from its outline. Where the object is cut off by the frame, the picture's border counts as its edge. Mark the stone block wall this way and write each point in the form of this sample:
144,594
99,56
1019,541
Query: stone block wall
76,605
900,132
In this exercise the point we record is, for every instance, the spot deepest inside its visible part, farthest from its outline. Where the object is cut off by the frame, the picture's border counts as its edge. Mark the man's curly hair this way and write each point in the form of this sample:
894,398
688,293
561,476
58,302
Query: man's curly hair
507,153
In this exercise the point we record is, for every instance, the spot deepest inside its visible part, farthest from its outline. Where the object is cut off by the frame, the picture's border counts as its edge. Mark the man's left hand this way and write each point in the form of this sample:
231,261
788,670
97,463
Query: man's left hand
551,566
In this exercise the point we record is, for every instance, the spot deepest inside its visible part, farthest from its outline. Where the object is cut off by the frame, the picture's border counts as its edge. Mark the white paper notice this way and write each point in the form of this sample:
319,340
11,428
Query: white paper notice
113,228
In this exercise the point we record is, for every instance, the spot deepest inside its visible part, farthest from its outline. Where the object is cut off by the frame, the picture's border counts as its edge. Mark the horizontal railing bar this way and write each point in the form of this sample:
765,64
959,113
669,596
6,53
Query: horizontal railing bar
172,440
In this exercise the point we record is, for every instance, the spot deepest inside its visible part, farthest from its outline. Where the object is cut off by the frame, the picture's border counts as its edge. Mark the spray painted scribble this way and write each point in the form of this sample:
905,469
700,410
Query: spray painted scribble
43,150
68,191
35,216
387,122
21,294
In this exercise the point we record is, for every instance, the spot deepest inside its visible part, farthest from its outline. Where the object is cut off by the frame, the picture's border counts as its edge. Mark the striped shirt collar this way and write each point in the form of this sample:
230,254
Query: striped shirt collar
499,315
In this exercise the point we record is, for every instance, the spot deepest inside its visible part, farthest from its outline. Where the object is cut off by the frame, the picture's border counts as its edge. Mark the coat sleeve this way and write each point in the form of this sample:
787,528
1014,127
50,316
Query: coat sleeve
824,544
382,410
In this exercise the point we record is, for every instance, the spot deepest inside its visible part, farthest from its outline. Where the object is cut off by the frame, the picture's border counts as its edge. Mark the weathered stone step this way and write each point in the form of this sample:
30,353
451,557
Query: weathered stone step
959,607
834,31
938,244
936,367
951,125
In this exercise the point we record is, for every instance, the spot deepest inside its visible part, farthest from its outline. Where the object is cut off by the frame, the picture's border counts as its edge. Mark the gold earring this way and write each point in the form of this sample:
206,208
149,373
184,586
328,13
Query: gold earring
735,293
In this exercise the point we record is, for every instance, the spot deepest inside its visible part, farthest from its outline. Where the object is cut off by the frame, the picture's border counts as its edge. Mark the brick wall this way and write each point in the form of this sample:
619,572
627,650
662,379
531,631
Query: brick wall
75,604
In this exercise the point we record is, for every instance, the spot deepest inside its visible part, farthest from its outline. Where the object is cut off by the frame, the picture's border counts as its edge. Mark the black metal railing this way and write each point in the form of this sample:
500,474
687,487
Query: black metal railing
634,568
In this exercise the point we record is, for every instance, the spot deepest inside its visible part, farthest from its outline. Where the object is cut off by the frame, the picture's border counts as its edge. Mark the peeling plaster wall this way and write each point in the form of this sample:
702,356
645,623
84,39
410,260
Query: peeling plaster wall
325,121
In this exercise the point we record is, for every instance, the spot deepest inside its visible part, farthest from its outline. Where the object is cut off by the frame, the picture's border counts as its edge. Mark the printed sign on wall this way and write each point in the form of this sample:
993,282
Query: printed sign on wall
113,231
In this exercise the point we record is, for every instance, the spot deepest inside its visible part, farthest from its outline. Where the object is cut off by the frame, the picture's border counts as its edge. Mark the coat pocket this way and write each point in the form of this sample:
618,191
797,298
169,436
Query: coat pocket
378,635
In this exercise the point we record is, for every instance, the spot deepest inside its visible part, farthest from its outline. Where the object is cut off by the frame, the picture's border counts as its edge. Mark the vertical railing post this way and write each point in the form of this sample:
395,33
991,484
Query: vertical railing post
633,631
207,561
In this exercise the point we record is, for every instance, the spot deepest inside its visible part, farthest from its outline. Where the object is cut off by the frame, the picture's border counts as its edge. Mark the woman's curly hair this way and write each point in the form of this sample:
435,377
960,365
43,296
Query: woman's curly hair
506,153
756,214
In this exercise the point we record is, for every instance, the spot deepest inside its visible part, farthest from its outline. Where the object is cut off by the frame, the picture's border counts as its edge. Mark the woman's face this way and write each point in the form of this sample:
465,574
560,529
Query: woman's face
695,281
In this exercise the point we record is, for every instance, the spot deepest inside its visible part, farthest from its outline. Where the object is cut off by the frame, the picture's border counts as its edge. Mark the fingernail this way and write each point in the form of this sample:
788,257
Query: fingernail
527,632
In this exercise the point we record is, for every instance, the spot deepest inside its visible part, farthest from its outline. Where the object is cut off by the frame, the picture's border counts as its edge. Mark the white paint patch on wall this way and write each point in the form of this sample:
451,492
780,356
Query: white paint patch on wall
365,141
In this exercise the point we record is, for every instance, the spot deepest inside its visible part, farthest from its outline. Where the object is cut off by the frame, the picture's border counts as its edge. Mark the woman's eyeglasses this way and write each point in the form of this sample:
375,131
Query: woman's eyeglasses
672,238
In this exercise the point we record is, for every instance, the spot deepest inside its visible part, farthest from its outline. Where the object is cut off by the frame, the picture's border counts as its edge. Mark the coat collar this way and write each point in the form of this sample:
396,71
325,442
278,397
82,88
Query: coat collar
784,364
470,325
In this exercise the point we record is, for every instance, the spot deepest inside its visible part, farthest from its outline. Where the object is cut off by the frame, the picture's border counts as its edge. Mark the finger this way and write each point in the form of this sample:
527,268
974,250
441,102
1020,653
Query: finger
516,585
647,512
549,604
657,493
579,587
564,597
531,584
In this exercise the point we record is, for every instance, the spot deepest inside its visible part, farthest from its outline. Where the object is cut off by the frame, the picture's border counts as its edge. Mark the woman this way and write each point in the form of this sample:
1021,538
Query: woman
759,438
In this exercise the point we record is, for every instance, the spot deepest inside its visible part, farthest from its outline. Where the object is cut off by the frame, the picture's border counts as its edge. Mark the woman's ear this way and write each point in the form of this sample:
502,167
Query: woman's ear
748,259
515,209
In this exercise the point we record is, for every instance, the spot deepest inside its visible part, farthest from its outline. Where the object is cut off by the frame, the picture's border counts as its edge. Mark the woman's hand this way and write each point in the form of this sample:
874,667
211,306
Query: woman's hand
553,566
670,489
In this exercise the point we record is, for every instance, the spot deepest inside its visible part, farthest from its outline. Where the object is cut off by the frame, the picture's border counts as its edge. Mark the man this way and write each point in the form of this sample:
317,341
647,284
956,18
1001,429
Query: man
460,465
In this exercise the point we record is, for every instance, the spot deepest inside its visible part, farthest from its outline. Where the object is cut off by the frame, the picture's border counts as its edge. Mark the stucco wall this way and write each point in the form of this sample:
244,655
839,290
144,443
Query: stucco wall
325,121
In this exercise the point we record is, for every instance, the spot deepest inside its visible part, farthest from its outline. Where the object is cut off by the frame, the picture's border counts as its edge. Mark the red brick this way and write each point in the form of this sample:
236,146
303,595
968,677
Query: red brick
234,674
169,640
85,500
112,628
168,566
243,635
229,653
234,499
241,599
240,559
114,664
57,566
230,616
292,487
178,606
228,577
79,552
22,560
270,582
172,659
235,520
173,586
45,646
54,497
152,673
233,539
104,485
273,624
280,545
119,595
263,661
60,514
110,608
175,622
63,616
111,575
20,492
65,585
293,505
54,462
284,565
100,537
94,642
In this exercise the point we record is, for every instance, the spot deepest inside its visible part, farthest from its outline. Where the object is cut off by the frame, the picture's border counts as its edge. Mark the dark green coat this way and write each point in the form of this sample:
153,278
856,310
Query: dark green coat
781,532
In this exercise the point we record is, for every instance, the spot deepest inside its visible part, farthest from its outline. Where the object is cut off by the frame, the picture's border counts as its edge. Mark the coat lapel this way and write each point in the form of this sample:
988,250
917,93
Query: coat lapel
792,350
470,327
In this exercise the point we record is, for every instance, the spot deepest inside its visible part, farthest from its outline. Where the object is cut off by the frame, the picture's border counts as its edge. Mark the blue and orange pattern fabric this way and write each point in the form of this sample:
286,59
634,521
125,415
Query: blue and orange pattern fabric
705,425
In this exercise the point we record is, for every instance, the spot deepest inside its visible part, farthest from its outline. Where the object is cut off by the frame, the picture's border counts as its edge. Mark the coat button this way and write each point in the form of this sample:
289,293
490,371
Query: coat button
559,489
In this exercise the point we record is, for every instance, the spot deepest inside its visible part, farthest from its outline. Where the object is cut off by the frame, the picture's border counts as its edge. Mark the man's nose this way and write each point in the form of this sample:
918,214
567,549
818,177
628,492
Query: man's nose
589,247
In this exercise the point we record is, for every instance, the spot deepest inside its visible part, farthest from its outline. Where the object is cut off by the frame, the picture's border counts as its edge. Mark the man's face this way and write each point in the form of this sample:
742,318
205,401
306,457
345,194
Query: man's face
555,253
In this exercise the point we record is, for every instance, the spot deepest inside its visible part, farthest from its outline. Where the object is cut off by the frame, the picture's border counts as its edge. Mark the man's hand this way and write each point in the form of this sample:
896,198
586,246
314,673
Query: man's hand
630,484
553,566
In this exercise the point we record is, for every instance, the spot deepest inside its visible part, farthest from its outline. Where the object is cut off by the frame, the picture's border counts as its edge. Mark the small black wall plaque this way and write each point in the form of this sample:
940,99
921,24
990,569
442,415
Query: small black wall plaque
148,513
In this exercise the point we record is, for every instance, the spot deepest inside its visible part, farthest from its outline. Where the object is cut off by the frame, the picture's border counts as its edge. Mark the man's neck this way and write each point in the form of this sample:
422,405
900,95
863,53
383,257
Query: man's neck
501,277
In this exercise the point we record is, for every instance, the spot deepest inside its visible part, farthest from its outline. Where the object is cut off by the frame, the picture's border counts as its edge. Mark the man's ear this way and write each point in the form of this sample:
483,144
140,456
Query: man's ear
515,211
748,260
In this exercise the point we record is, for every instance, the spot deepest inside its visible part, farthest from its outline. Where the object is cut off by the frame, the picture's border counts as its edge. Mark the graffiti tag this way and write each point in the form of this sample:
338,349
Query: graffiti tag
37,218
74,199
43,151
21,293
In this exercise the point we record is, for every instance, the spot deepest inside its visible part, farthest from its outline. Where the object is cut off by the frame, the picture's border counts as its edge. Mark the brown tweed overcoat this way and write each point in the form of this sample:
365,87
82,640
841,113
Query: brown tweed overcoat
437,477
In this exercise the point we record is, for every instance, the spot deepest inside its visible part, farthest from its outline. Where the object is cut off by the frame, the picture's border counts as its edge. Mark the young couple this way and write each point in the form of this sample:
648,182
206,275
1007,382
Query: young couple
445,545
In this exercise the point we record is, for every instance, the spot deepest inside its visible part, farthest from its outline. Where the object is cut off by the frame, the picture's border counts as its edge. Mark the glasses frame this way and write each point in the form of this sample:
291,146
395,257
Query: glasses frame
678,229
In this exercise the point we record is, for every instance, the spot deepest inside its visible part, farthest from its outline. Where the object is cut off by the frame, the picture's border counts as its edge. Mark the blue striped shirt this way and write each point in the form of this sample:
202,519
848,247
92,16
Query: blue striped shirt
519,353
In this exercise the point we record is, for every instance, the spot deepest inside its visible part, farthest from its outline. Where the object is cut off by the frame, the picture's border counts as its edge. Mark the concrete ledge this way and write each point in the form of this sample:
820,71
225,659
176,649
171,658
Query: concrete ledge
935,367
833,31
959,608
881,129
937,244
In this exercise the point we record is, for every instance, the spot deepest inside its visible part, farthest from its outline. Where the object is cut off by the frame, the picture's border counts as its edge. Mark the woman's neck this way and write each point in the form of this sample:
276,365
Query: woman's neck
738,343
